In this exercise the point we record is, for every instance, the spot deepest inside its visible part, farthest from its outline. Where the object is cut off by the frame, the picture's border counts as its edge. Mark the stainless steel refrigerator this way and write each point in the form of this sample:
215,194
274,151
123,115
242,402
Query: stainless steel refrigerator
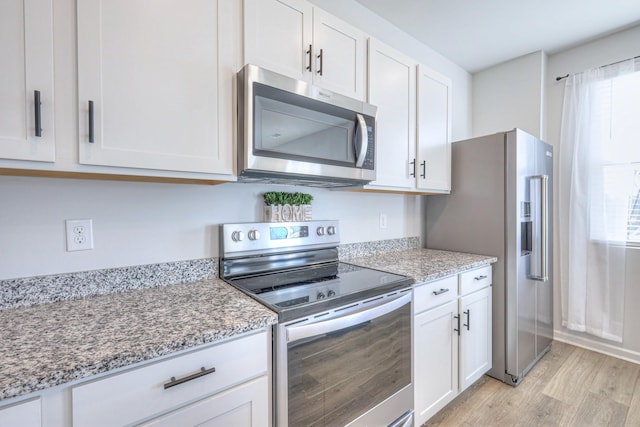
501,205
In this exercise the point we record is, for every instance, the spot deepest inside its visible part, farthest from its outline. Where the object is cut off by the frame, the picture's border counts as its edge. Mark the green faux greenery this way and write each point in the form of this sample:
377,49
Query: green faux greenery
284,198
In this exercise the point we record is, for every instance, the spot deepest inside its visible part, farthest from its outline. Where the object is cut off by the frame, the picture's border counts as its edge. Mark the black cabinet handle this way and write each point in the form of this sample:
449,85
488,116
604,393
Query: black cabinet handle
37,112
412,163
310,54
423,165
320,57
174,382
458,328
91,134
441,291
468,313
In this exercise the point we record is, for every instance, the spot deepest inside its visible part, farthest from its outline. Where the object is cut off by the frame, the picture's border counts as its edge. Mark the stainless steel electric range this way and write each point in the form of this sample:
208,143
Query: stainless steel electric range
342,347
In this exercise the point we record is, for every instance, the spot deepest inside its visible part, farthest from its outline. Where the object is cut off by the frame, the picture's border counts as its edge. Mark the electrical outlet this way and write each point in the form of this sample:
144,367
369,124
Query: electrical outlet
79,234
383,220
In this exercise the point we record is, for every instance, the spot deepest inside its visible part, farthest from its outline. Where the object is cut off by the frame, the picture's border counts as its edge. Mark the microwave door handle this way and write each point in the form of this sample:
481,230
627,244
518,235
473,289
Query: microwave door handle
364,140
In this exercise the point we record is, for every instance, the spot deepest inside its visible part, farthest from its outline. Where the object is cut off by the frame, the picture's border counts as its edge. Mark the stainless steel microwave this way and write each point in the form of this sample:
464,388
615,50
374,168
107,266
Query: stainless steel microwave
292,132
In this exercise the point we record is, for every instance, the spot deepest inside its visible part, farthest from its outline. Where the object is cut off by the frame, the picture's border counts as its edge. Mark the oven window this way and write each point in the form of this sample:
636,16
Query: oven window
336,377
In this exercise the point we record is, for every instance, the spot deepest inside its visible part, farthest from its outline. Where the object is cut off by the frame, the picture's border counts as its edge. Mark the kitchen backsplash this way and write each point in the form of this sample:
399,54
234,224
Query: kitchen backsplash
27,291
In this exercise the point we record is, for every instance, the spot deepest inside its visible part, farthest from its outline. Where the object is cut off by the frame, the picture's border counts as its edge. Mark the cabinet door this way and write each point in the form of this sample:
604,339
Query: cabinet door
278,36
339,51
434,131
242,406
24,414
392,81
26,49
435,365
475,336
160,83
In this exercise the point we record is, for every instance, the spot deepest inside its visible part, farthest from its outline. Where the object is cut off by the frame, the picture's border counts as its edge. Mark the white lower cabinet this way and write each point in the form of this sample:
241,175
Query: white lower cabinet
452,338
182,389
475,336
23,414
436,359
242,406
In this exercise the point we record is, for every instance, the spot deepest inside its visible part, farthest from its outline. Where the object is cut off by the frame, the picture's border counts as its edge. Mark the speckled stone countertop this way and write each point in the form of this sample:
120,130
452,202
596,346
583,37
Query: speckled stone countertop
423,265
46,345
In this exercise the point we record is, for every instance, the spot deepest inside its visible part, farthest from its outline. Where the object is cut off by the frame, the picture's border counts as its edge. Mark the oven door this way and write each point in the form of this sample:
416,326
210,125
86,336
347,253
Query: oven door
346,366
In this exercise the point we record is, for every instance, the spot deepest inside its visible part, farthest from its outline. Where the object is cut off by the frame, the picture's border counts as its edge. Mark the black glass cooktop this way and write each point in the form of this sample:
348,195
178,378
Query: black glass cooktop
299,292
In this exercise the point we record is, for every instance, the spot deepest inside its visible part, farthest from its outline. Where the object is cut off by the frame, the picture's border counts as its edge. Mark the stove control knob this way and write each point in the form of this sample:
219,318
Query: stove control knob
320,231
331,293
237,236
331,230
320,295
253,234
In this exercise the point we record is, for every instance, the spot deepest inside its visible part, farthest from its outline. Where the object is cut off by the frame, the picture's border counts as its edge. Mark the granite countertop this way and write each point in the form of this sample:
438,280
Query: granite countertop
423,265
46,345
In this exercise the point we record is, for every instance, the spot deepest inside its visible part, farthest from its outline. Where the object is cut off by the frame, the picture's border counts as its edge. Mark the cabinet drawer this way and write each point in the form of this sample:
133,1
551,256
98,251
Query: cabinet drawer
137,394
475,279
435,293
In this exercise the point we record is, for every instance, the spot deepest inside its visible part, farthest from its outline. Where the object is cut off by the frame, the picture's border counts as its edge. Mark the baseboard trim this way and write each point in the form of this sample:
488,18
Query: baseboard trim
608,349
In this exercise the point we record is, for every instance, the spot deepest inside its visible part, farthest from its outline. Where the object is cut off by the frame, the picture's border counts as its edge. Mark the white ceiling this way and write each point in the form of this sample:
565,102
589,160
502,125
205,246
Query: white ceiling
477,34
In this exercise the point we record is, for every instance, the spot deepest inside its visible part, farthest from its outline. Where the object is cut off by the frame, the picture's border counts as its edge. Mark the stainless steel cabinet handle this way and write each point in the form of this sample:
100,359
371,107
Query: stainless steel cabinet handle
37,112
468,313
423,165
174,382
320,57
441,291
91,134
458,328
310,54
480,277
412,163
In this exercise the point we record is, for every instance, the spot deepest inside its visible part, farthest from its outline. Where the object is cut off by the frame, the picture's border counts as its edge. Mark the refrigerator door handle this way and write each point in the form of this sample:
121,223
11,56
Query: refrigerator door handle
540,263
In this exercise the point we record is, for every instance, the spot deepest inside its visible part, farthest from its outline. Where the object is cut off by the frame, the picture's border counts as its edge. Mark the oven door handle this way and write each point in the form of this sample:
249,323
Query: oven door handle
295,333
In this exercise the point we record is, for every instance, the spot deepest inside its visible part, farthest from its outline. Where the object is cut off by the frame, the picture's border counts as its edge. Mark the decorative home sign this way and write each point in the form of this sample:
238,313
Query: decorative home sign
287,207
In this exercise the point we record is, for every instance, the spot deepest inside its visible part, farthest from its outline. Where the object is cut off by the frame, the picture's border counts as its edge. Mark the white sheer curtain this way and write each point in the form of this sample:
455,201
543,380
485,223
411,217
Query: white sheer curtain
592,266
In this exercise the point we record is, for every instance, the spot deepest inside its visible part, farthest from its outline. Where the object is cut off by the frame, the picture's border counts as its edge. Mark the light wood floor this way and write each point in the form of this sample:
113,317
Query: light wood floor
569,386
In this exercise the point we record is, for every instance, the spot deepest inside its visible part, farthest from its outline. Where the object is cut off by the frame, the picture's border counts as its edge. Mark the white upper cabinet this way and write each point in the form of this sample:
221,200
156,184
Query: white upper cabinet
339,55
26,49
414,123
434,131
392,88
294,38
278,35
155,84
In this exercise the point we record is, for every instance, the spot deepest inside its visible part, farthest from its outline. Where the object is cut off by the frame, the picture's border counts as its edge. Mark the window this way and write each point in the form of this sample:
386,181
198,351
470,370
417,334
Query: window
618,112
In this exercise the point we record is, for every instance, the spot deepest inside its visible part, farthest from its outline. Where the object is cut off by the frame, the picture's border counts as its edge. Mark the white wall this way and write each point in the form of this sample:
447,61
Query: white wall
381,29
138,223
141,223
523,93
510,95
606,50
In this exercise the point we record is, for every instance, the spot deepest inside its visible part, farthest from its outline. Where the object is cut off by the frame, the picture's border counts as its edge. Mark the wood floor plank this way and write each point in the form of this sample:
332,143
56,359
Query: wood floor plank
616,380
574,378
568,387
598,411
633,415
462,407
